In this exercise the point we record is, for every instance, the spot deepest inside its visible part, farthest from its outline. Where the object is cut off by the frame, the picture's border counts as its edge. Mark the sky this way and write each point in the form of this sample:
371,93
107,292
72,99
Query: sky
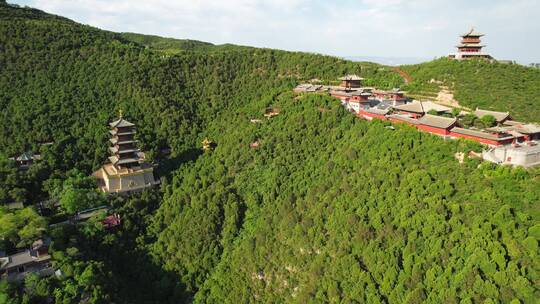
382,28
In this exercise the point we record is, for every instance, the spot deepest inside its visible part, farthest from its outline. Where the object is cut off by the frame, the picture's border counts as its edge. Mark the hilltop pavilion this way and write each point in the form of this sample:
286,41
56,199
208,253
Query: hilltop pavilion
470,47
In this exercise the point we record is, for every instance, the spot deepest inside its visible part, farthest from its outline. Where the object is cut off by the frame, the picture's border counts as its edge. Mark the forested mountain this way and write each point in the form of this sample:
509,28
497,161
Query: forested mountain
478,83
326,208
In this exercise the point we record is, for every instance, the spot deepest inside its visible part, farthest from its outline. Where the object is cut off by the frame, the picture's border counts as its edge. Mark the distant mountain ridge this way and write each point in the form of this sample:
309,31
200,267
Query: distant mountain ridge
391,61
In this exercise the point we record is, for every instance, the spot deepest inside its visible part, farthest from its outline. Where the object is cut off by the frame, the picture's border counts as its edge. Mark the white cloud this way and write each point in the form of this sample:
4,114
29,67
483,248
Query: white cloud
346,27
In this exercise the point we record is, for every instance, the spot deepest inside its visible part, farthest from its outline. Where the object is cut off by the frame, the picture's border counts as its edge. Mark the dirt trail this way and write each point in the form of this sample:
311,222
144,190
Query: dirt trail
403,74
446,97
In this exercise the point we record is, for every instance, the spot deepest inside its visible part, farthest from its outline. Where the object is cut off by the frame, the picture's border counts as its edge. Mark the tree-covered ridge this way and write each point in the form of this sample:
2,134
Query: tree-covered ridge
480,83
175,46
13,11
333,209
62,82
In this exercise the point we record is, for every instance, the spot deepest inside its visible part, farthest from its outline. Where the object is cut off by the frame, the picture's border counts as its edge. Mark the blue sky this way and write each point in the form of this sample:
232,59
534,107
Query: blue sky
387,28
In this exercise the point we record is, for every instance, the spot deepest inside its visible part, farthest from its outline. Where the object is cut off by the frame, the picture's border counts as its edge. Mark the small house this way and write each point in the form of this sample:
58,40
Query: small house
35,260
26,159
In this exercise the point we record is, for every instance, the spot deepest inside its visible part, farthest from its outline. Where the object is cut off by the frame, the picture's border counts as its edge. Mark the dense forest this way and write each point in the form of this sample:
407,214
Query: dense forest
324,208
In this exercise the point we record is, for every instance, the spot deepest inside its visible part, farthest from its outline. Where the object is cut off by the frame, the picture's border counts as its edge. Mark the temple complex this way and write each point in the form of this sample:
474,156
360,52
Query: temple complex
508,142
126,171
470,47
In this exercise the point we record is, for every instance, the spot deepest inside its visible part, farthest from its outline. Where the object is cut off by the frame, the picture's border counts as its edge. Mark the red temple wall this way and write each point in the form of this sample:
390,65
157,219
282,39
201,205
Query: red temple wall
433,130
401,121
483,140
364,114
413,115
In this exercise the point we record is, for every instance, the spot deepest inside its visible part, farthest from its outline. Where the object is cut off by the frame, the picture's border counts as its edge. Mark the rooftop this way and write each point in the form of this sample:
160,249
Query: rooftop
499,116
404,118
111,221
115,150
518,127
28,156
115,141
378,111
480,134
116,161
121,123
109,170
472,33
351,77
527,128
437,121
422,107
113,132
22,258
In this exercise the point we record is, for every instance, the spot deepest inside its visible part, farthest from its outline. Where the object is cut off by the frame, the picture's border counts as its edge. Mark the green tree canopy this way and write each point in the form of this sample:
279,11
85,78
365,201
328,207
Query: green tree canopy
21,227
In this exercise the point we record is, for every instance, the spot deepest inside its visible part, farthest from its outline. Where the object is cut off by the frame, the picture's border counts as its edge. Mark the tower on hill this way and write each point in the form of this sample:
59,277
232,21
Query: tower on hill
470,47
126,171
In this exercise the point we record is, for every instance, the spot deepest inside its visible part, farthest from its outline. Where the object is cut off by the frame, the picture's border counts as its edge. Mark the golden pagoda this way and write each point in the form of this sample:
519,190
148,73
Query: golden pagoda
206,144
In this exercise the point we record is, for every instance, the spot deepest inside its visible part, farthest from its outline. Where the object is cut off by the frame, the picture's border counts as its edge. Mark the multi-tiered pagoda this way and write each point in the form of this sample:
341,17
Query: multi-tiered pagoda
470,47
127,170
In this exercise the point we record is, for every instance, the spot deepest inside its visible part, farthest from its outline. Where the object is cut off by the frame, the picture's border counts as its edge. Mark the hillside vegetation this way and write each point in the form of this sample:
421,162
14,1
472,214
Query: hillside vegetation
333,209
174,46
61,82
327,208
478,83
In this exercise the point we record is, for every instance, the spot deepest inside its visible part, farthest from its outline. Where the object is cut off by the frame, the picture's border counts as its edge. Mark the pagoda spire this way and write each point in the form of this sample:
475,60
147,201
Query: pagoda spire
124,151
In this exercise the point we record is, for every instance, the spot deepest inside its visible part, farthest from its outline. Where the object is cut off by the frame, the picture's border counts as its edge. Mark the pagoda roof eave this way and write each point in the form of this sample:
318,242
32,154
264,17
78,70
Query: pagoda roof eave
121,123
122,161
469,35
114,132
472,33
115,141
470,45
116,151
